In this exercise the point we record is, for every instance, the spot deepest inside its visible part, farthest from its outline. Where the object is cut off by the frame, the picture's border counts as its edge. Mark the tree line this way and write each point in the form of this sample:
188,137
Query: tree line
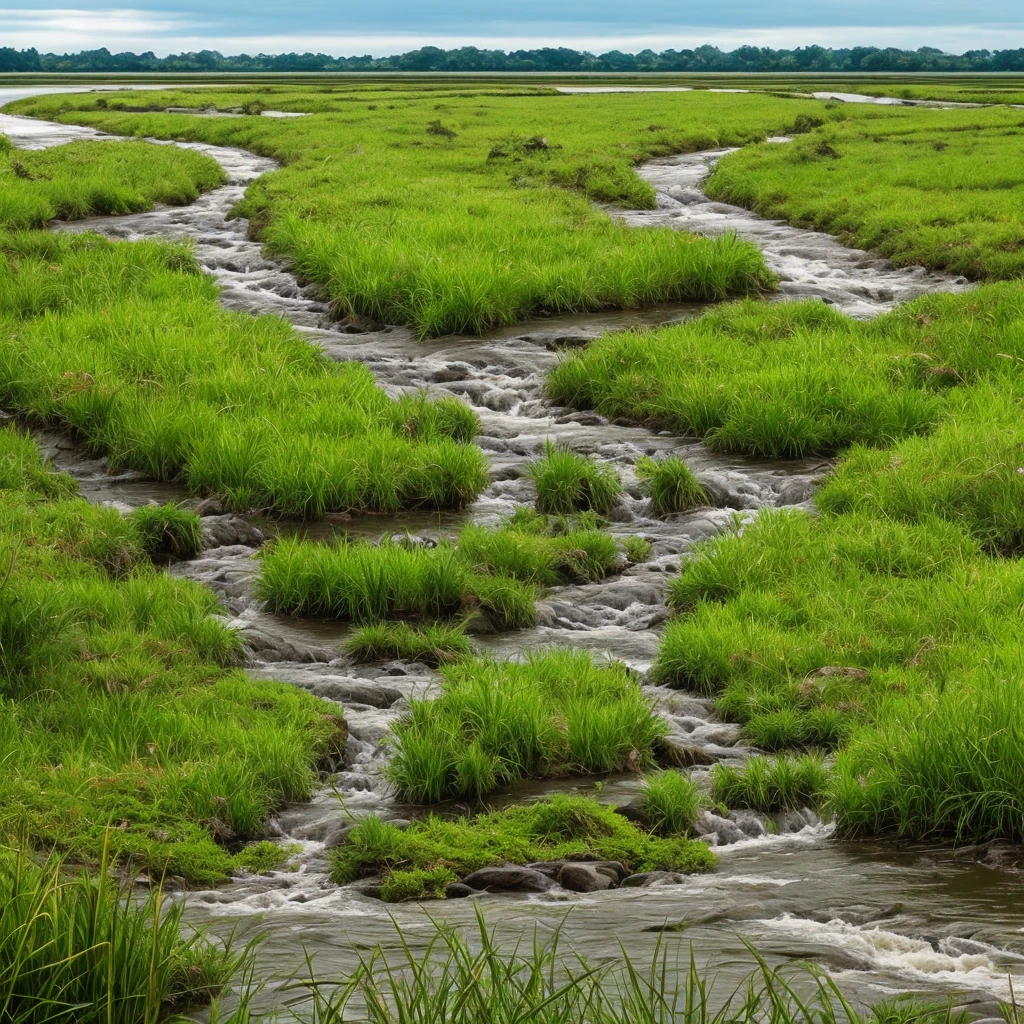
558,59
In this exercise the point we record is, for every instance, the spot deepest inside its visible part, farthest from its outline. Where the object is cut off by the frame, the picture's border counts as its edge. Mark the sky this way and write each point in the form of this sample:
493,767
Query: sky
381,27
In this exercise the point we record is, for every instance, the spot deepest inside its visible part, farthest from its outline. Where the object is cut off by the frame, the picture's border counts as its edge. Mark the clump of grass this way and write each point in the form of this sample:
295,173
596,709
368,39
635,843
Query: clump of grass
430,644
671,801
556,713
168,531
771,784
552,829
787,380
671,485
366,584
568,483
637,549
83,948
417,884
264,856
491,575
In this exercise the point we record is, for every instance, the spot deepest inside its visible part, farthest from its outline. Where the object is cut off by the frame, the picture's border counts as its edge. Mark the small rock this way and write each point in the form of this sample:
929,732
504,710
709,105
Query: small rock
509,878
633,811
711,824
458,891
645,879
551,868
583,878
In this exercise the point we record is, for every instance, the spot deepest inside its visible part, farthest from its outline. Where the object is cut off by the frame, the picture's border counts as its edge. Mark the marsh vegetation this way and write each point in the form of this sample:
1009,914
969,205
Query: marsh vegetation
870,649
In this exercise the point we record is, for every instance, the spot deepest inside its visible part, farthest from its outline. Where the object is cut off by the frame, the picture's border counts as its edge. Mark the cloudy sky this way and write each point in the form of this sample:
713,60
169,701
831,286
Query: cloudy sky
390,26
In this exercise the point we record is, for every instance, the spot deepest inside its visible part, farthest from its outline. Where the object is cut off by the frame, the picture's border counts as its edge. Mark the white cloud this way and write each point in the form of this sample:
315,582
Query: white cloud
70,30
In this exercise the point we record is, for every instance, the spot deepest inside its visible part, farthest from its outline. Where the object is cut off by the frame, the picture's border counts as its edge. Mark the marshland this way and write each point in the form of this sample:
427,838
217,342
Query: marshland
474,551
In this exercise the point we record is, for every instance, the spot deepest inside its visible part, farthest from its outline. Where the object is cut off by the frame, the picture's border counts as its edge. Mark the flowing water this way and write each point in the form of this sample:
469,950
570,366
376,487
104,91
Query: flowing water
882,919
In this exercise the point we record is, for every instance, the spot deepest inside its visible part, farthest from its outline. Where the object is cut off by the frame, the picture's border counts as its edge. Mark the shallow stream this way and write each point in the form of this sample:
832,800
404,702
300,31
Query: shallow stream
883,920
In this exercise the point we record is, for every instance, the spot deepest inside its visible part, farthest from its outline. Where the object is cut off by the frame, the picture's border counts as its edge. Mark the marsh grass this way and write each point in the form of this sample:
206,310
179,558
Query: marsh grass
400,226
75,947
671,801
87,179
567,483
125,347
945,188
556,713
671,485
553,829
432,645
466,979
117,701
168,531
771,784
779,380
489,575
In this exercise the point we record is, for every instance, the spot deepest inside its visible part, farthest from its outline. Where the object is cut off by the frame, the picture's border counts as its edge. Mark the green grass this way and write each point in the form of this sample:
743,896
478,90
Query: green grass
118,706
771,784
567,483
88,179
942,189
401,224
490,575
124,345
465,978
88,950
671,485
430,644
168,531
773,381
556,713
637,549
671,801
553,829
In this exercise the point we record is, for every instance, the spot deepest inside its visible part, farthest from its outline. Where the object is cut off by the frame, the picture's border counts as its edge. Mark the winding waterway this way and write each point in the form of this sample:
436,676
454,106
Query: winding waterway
883,920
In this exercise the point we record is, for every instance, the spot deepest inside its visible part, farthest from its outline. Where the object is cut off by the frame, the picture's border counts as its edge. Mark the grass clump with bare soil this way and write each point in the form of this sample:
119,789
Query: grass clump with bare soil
556,713
553,829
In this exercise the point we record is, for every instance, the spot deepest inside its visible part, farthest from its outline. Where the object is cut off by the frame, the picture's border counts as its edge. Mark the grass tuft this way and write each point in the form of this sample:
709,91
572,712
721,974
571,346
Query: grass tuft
430,644
567,483
671,801
771,784
671,485
556,713
553,829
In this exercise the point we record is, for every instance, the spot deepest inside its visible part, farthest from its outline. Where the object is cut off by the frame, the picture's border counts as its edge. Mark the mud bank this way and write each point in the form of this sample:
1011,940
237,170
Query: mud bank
883,921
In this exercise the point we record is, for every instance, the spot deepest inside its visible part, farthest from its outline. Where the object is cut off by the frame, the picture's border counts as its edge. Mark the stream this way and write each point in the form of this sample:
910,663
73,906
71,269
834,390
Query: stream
882,919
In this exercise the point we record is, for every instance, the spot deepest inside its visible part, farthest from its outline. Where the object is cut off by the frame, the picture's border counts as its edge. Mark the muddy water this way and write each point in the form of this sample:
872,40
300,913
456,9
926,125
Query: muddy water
882,920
